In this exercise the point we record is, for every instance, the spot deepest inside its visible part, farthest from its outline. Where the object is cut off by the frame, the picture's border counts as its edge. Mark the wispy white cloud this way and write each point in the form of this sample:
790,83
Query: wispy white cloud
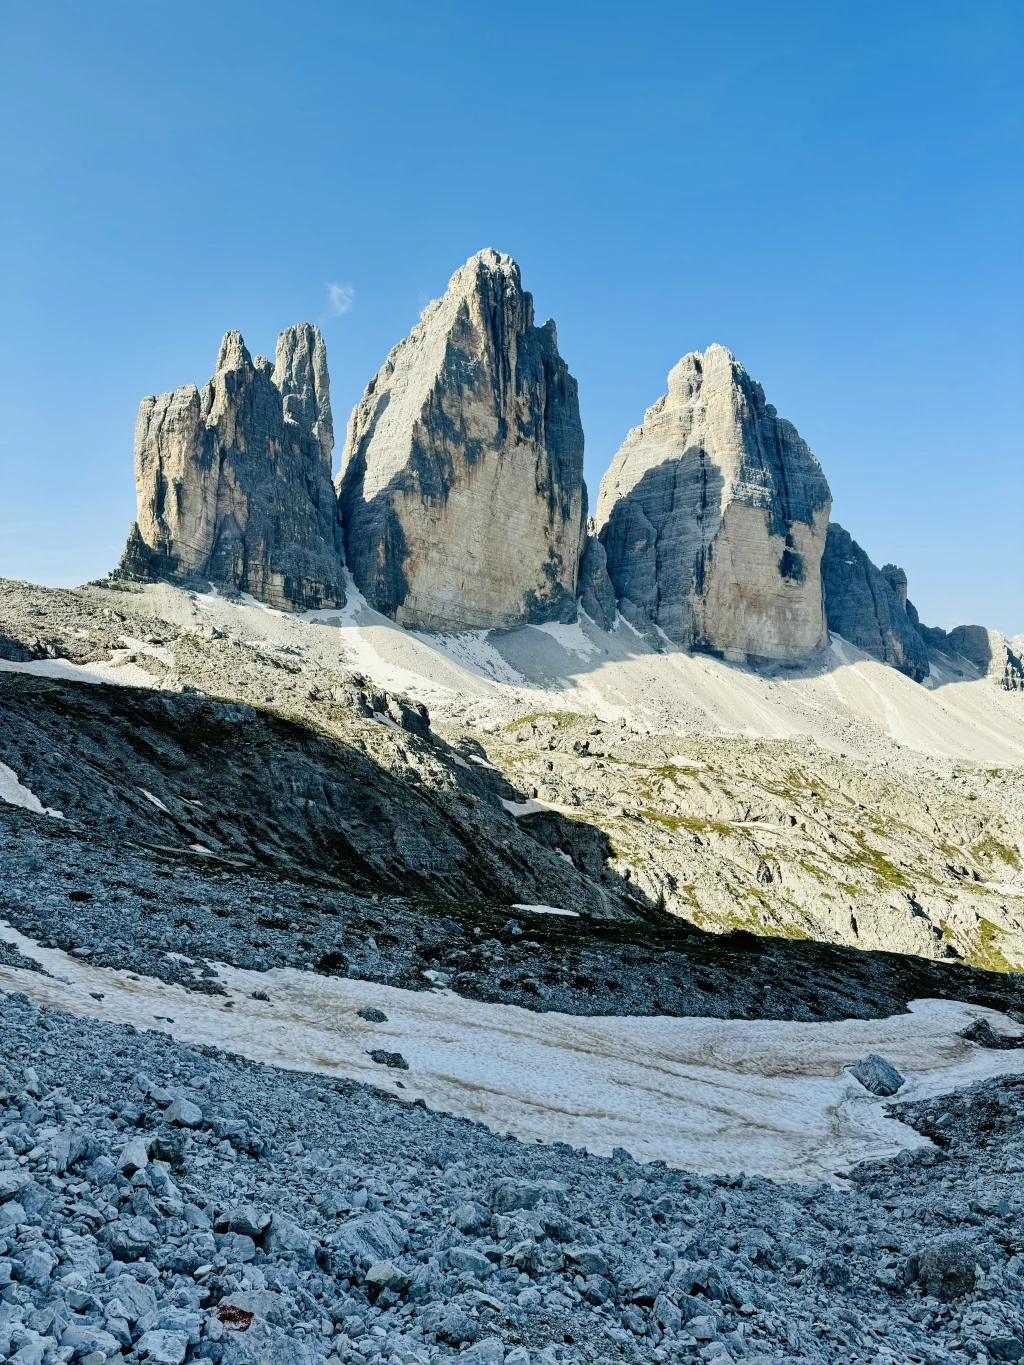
340,299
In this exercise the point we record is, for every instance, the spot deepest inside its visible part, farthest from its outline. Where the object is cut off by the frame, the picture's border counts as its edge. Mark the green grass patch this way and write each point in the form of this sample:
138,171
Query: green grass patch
562,719
988,847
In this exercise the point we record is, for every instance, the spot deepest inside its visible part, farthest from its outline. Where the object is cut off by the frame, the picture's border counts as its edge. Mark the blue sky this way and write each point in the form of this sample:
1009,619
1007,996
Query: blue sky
832,190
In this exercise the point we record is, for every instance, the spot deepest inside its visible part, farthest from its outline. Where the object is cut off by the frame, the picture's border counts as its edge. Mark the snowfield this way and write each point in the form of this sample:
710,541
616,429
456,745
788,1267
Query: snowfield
707,1095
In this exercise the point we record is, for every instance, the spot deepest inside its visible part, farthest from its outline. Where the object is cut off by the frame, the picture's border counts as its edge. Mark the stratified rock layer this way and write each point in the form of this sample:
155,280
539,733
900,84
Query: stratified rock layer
713,517
462,488
234,480
868,606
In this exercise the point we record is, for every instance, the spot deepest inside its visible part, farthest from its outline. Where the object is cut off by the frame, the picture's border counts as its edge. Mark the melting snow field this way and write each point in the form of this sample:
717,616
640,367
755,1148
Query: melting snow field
707,1095
12,791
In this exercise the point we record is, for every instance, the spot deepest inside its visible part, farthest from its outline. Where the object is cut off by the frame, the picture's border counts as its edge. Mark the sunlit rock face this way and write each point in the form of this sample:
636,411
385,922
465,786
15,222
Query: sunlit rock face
713,517
461,485
233,480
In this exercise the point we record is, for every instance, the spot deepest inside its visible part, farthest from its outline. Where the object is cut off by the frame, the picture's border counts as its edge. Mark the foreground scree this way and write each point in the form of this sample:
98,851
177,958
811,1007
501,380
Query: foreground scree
166,1203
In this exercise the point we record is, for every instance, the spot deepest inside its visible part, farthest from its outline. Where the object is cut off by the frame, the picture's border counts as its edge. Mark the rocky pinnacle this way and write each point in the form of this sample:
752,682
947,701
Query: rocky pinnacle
461,485
234,480
713,517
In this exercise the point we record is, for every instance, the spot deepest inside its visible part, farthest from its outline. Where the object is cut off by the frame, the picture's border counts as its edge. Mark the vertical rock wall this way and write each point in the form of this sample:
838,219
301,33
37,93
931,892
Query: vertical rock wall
713,517
233,481
868,606
461,485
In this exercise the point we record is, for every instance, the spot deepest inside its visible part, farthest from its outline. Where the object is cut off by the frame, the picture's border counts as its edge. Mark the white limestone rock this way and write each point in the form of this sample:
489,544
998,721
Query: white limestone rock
461,484
234,480
713,517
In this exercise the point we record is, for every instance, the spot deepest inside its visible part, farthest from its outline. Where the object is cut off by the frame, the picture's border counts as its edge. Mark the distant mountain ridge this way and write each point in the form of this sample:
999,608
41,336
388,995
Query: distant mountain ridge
461,503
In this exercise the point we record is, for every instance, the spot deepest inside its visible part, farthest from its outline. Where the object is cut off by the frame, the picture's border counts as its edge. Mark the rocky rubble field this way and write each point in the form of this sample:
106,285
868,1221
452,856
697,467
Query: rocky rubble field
256,799
163,1203
617,817
168,916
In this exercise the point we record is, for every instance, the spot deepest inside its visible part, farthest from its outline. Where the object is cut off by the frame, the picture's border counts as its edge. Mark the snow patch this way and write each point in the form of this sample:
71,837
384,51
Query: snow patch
473,651
546,909
155,800
710,1095
118,674
521,808
134,646
571,638
15,794
386,720
836,643
251,601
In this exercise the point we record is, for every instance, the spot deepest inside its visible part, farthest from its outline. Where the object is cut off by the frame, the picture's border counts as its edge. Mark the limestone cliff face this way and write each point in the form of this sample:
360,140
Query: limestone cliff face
596,593
461,485
713,517
990,653
234,480
868,606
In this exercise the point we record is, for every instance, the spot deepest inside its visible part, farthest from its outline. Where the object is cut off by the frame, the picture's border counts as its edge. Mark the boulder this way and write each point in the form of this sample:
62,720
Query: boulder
249,1221
131,1298
470,1262
284,1237
12,1183
374,1237
509,1194
945,1270
134,1157
713,517
461,484
162,1347
490,1351
386,1275
233,481
184,1112
131,1238
877,1075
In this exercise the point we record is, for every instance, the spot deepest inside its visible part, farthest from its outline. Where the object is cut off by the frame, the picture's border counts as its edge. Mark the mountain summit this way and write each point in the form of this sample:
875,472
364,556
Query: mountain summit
461,483
713,517
234,480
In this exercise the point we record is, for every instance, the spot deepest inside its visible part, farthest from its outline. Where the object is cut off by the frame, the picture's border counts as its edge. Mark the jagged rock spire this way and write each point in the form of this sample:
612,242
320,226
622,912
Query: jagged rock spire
713,517
234,481
461,483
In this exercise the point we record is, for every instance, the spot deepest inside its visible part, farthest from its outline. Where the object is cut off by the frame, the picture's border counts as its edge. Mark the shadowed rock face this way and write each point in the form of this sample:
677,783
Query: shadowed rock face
713,517
461,486
597,596
868,606
234,480
987,650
